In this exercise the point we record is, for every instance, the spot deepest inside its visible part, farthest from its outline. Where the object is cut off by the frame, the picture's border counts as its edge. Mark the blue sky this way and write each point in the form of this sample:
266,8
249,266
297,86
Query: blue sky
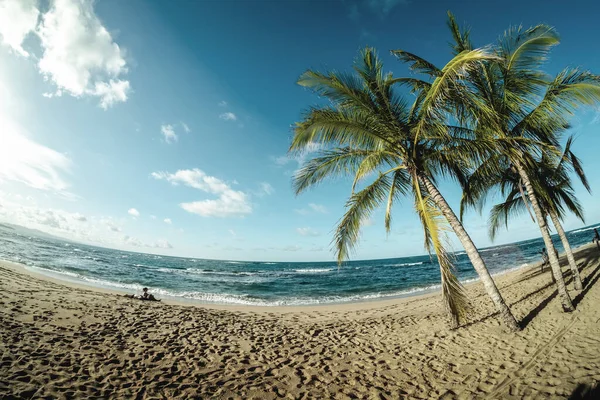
163,127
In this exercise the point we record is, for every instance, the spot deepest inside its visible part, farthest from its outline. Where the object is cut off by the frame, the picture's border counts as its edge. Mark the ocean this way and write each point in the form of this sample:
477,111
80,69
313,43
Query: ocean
256,283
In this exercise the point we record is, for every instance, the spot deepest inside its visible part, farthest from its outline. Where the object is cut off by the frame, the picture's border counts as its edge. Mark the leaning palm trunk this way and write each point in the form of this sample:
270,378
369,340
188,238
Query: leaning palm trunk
541,220
473,254
567,246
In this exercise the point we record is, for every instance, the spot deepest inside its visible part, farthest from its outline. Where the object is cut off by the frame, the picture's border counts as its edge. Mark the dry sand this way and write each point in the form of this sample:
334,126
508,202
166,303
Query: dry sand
62,341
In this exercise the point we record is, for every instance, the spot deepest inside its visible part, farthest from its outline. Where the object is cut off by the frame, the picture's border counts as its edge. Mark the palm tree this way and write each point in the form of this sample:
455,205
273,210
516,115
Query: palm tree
368,130
527,105
550,179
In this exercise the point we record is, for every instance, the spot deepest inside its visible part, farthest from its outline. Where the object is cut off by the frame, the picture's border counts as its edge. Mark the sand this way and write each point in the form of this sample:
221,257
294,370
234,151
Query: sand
59,340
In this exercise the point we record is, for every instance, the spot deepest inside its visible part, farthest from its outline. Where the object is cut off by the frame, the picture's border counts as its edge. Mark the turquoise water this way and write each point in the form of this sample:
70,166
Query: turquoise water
255,283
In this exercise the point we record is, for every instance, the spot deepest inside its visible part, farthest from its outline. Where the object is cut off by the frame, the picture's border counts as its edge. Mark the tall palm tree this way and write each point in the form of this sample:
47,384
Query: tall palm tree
553,186
370,131
528,105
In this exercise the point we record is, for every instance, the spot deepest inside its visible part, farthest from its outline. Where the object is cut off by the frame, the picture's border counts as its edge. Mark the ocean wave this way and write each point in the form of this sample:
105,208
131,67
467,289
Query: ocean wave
234,299
404,264
313,270
585,229
86,279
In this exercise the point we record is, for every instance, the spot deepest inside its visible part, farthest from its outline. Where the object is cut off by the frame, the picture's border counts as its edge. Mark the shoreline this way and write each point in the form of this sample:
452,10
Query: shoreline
183,301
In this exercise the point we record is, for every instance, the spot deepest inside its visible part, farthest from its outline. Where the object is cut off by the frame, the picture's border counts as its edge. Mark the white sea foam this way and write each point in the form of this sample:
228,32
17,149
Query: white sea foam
585,229
404,264
313,270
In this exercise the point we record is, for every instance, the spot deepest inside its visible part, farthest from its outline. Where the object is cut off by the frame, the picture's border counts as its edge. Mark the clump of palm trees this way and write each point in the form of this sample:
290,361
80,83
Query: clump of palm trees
488,118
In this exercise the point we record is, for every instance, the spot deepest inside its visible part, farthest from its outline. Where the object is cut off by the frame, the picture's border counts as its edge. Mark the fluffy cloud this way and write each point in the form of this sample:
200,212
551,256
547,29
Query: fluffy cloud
168,221
299,156
79,217
162,244
18,18
229,202
89,229
169,133
307,232
23,160
79,56
228,116
111,225
312,209
133,212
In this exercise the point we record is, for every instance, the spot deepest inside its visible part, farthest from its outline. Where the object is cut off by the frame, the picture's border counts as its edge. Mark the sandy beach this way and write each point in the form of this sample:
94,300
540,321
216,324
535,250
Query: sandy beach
59,340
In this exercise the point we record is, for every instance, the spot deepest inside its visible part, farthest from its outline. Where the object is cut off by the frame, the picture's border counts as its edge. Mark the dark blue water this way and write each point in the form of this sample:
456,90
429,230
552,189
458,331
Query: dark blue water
256,283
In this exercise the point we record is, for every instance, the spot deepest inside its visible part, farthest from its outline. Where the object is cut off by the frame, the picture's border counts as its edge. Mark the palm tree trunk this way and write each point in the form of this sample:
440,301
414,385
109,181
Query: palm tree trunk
567,246
541,220
473,254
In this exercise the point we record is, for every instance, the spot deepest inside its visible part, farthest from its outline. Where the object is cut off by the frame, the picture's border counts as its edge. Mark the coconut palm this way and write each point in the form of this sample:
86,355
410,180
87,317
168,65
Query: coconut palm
368,131
553,186
527,104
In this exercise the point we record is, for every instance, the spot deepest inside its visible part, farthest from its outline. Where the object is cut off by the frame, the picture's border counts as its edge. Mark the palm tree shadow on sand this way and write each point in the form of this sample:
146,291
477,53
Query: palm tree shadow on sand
588,282
584,391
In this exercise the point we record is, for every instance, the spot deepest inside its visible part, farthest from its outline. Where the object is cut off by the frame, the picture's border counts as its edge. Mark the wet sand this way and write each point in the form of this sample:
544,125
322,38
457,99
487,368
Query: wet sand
59,340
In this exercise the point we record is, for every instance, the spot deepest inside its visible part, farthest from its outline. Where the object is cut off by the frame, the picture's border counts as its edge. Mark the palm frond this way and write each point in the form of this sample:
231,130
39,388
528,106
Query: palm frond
358,208
500,213
335,163
417,64
434,227
461,38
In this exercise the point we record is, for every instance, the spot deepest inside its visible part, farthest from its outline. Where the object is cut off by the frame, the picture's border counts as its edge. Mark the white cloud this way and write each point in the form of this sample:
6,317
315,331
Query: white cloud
265,189
163,244
312,208
169,133
94,230
367,222
287,248
79,217
168,221
133,212
307,232
23,160
318,208
153,217
185,127
18,18
282,160
79,54
111,225
223,103
299,156
228,116
111,92
229,202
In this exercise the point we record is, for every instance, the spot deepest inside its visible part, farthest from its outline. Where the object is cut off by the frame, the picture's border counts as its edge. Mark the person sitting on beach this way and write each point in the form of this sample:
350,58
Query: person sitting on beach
147,296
